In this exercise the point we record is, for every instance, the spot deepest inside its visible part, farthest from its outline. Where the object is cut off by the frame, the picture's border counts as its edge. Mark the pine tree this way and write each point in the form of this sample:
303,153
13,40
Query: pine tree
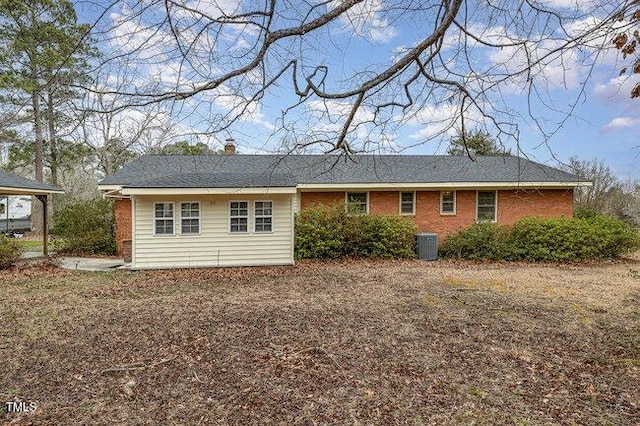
43,52
474,143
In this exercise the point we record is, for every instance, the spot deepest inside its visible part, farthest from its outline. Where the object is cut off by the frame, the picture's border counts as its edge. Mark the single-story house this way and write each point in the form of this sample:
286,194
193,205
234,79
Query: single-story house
238,210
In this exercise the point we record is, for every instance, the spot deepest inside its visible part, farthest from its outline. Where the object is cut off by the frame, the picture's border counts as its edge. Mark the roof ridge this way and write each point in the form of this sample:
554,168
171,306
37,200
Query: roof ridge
330,168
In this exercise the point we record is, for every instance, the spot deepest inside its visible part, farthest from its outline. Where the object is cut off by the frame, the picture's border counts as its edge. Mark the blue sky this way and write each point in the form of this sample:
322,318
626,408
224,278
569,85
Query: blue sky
596,119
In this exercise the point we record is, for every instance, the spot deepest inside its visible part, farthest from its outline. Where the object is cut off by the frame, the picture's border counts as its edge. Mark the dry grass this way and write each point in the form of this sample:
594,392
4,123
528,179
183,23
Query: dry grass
357,342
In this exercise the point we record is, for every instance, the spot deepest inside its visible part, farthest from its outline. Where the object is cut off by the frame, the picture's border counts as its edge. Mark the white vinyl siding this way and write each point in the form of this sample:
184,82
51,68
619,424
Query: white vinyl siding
215,245
297,200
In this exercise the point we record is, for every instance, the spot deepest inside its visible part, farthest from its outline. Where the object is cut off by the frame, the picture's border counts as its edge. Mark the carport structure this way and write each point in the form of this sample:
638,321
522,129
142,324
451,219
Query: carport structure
11,184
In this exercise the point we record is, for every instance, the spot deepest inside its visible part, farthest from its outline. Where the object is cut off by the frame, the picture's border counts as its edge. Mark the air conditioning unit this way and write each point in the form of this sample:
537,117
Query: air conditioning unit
427,246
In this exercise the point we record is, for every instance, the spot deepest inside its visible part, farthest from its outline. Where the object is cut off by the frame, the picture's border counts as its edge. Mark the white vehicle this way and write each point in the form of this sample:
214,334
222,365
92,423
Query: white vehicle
15,214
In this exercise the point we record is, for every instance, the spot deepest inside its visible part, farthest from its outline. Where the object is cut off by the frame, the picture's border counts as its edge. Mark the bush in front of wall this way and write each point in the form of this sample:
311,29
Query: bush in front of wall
85,227
571,239
384,236
478,242
9,252
320,232
545,240
329,232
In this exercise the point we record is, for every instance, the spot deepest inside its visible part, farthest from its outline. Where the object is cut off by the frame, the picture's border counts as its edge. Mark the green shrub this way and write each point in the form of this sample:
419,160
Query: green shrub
479,241
9,252
328,232
583,211
86,227
320,232
545,239
385,236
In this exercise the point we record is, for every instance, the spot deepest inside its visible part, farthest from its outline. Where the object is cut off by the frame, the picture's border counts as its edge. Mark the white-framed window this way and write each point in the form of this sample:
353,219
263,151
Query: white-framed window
408,203
238,216
487,204
163,218
357,202
263,216
447,202
190,218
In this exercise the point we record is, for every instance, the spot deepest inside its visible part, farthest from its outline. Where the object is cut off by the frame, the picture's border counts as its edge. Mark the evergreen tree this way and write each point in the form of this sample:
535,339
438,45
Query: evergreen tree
43,52
474,143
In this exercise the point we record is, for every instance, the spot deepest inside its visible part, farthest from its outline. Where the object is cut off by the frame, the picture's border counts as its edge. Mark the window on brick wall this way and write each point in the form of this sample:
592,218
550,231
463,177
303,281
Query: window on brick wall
407,203
357,202
487,203
447,202
163,222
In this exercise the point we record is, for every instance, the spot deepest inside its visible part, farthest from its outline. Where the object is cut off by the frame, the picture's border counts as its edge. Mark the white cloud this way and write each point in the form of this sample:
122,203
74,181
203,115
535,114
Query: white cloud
568,4
129,35
330,116
367,20
441,120
620,123
617,92
211,8
231,103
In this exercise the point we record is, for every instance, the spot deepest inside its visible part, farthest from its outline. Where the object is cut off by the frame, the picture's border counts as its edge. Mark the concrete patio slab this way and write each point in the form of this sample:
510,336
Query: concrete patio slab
33,254
90,264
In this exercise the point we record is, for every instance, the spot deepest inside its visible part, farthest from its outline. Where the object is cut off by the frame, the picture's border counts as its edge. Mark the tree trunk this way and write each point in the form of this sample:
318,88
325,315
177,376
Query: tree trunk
53,146
37,127
54,156
36,206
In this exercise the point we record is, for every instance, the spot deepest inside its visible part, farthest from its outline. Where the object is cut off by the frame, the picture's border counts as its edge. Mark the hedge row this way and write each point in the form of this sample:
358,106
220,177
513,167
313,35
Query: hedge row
329,232
544,239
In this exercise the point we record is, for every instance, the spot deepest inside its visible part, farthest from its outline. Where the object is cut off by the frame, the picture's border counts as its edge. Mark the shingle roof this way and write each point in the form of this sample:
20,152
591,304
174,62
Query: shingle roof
10,180
190,171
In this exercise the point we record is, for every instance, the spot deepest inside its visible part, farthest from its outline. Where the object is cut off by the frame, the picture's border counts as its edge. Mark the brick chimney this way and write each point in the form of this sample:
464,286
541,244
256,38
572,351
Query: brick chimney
229,147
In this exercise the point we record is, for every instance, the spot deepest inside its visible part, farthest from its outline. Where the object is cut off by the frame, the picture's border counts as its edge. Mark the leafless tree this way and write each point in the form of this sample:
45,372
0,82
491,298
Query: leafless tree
596,197
232,58
608,194
115,136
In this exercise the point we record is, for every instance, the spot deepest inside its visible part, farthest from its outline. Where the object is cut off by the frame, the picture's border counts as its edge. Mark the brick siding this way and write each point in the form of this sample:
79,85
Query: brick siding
324,198
123,223
512,205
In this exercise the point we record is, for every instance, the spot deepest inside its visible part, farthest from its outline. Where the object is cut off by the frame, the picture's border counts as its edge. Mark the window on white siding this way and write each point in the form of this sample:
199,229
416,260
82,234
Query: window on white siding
448,202
487,203
263,216
407,203
357,202
239,216
189,218
163,222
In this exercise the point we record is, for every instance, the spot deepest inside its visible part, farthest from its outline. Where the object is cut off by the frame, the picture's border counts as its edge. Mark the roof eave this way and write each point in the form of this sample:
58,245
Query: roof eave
440,185
10,190
209,191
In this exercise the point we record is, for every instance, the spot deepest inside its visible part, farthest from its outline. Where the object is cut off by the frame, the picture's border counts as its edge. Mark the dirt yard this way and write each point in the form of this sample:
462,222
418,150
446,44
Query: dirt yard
339,343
